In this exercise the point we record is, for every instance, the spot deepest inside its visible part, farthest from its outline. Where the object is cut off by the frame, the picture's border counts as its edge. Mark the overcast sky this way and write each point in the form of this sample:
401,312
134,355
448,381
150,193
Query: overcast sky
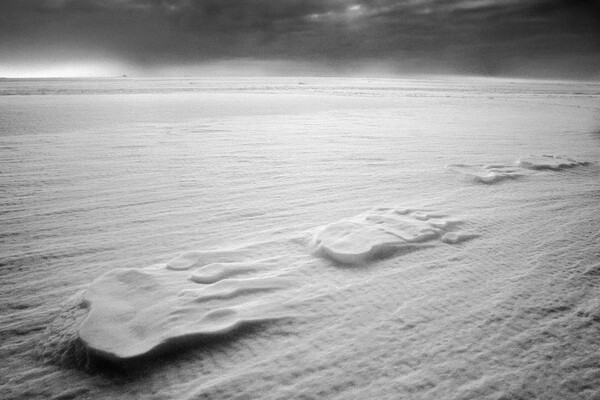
536,38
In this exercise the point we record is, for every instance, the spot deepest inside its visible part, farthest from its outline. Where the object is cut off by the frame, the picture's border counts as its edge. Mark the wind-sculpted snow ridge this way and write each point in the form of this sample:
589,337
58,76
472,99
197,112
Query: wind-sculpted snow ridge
495,173
487,173
550,162
136,311
384,232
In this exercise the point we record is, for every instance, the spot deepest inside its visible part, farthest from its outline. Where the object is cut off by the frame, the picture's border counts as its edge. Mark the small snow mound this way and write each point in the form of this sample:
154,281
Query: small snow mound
440,223
424,216
379,233
458,237
487,174
420,215
196,259
215,272
549,162
133,312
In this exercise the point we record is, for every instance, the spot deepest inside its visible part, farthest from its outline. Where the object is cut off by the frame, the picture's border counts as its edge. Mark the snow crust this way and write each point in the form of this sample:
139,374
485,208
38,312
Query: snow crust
380,233
137,311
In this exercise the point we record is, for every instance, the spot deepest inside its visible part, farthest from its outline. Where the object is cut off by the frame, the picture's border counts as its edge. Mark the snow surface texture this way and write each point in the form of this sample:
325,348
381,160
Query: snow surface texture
128,174
134,311
196,295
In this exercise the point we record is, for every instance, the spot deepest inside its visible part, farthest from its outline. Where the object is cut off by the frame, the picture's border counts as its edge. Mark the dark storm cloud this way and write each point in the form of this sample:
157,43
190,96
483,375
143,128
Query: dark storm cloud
464,36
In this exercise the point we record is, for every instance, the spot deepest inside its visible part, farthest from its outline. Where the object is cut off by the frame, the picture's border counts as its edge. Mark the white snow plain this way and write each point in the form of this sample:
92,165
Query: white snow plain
300,238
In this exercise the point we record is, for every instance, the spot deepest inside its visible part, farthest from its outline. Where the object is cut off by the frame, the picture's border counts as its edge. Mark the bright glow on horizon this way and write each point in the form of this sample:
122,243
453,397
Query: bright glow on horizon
75,69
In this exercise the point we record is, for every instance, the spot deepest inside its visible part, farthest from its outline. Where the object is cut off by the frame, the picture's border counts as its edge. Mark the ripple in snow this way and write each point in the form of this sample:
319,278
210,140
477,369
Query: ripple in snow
136,311
381,233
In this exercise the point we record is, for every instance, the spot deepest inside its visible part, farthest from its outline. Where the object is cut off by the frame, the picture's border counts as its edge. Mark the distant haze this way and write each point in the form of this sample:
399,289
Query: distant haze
520,38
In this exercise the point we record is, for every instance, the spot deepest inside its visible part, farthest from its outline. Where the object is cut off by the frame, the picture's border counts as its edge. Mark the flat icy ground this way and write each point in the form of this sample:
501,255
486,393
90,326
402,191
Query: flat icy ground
300,239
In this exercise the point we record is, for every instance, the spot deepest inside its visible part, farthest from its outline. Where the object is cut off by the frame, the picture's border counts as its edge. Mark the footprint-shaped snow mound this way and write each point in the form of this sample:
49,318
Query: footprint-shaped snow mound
550,162
380,233
135,311
487,173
